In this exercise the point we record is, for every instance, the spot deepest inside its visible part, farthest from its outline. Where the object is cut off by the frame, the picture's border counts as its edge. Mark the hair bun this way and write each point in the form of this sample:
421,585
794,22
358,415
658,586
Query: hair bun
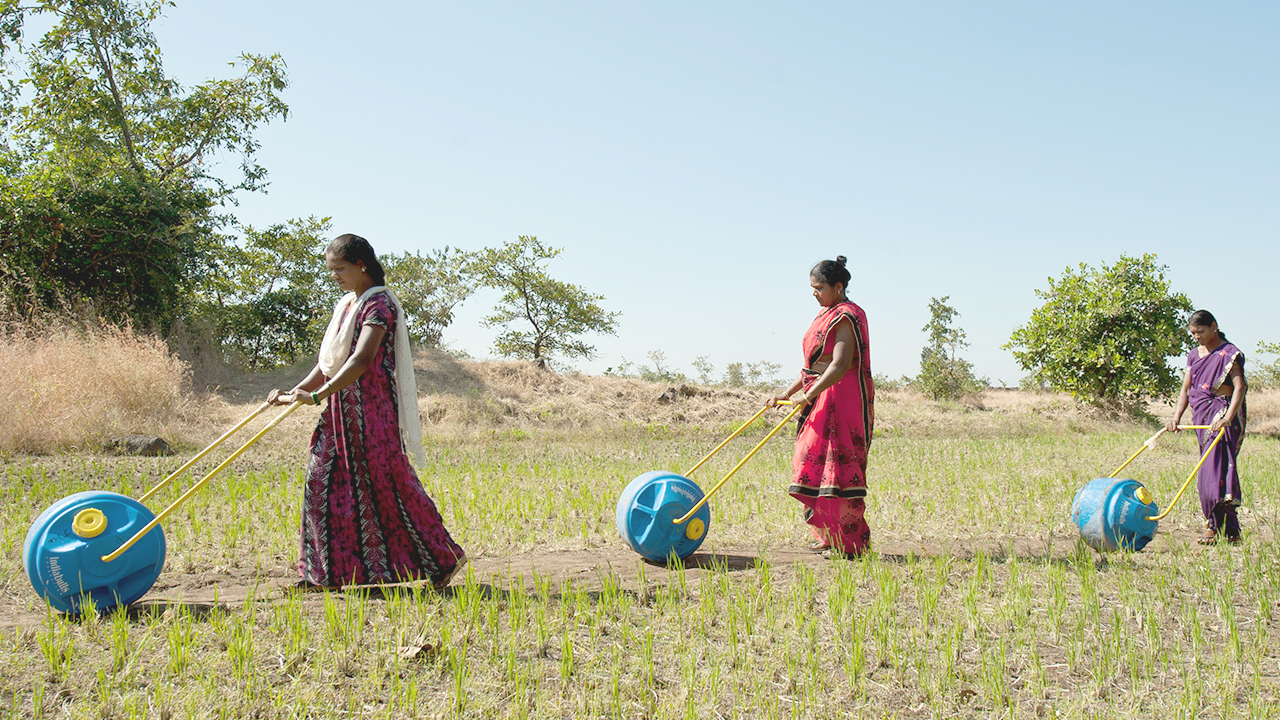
841,260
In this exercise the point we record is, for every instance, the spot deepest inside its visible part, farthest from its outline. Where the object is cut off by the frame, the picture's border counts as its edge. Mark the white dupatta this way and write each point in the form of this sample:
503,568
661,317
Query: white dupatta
336,347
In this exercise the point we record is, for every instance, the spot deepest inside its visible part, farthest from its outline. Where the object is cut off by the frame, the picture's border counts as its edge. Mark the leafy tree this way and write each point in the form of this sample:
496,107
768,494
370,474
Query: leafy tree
734,376
430,286
944,375
107,188
554,313
268,297
1267,375
1104,335
702,365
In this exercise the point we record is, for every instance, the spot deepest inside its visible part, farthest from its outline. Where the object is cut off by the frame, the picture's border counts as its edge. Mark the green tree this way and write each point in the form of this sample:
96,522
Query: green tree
555,314
430,287
1104,335
1267,374
944,375
107,182
269,295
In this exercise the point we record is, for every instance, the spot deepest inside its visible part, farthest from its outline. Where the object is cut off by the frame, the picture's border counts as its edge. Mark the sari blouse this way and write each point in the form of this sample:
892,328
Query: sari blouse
836,429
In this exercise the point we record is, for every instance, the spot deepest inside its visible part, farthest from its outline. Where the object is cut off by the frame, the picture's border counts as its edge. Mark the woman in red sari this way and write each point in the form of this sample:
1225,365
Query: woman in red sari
835,428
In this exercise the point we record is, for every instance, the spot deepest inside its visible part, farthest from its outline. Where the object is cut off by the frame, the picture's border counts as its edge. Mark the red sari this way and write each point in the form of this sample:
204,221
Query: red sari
830,461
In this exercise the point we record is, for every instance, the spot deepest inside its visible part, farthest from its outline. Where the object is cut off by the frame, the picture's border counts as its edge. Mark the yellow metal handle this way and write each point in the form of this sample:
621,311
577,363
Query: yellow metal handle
204,452
714,490
735,434
1190,477
1151,443
195,488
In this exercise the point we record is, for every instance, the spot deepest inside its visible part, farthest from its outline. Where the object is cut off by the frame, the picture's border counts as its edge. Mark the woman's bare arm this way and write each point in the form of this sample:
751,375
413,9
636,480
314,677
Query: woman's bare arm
1172,425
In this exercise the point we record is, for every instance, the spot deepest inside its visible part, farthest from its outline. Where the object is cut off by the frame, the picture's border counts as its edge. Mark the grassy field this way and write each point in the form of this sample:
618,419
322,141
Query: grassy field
977,600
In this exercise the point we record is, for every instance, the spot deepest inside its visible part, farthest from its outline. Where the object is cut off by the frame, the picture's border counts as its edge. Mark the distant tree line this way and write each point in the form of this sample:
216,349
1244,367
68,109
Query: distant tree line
108,197
760,374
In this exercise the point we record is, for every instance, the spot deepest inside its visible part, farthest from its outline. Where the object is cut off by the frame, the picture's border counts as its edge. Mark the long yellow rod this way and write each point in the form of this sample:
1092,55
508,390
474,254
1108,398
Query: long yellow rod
735,434
195,488
714,490
1190,477
204,452
1151,443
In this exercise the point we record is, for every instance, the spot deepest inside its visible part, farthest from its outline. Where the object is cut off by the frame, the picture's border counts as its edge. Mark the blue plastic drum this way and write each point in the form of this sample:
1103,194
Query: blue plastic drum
64,547
1112,514
646,510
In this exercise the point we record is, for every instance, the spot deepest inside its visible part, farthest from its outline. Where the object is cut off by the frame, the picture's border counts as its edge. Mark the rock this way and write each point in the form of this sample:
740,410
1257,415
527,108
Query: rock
135,444
671,395
691,391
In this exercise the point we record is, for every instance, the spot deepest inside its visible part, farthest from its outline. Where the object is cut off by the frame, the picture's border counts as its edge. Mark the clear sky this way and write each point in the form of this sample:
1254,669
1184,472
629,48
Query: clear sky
695,159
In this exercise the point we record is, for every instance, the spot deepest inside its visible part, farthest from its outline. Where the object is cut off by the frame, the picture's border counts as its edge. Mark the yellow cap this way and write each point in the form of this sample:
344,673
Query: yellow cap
694,529
89,523
1143,495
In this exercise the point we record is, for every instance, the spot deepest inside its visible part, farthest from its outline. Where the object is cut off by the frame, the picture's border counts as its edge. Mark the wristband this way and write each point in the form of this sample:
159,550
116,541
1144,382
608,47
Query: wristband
314,398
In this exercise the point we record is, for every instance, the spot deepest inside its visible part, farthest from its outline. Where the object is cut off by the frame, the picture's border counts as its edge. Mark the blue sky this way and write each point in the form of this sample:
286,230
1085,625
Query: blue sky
695,159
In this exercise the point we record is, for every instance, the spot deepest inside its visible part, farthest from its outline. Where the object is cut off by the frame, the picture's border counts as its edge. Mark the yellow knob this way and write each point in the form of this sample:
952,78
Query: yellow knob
1143,495
695,529
89,523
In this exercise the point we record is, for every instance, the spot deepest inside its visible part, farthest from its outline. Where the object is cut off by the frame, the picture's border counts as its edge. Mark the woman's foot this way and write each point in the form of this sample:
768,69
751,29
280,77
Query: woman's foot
306,586
1234,539
442,583
819,546
1210,537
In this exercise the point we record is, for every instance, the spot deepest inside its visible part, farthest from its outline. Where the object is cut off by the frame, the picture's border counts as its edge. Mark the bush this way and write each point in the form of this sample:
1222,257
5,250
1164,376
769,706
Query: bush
944,375
1104,335
1266,375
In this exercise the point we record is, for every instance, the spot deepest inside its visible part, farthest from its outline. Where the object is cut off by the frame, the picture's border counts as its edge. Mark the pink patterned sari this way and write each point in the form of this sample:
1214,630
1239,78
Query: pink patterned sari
830,462
365,516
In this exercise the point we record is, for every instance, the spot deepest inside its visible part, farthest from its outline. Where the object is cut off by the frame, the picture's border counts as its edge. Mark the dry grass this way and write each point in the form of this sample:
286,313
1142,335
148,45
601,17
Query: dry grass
1264,412
68,387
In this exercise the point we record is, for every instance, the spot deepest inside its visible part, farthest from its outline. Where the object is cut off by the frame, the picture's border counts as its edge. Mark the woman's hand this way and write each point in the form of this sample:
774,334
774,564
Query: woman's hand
773,401
280,397
1172,426
1216,426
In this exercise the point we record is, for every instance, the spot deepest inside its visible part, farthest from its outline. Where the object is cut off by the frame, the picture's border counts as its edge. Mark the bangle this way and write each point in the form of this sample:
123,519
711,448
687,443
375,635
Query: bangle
314,399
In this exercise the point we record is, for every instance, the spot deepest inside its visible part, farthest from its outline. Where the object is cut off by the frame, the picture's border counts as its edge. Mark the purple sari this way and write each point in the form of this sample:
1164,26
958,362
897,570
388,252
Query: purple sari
1219,480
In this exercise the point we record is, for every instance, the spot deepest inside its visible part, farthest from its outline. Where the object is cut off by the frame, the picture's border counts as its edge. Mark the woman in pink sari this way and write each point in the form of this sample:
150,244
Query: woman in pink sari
835,428
366,518
1214,387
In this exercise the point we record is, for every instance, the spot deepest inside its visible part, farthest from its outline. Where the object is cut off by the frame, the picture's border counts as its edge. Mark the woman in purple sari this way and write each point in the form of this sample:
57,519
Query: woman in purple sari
1215,389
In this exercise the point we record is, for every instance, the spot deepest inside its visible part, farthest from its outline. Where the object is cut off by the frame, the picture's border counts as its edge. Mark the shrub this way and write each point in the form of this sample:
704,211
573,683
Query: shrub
1268,374
944,375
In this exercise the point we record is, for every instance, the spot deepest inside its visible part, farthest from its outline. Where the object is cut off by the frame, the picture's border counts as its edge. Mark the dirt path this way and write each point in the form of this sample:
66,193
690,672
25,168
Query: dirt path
585,569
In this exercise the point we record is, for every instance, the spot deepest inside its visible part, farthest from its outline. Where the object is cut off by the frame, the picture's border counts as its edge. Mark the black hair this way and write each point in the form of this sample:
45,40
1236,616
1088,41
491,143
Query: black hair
832,272
1204,318
354,248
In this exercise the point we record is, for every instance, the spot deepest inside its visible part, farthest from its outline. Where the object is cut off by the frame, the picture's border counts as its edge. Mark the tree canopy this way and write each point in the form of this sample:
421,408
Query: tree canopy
554,314
1105,334
107,184
944,375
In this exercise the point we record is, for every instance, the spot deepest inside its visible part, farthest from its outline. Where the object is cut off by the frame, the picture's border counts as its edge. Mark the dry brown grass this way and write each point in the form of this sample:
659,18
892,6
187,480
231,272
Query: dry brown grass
68,387
463,394
1264,412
